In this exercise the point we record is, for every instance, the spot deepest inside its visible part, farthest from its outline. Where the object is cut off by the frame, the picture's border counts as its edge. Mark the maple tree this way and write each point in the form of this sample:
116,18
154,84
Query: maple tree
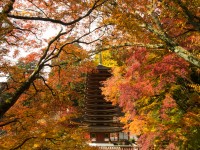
36,108
27,22
156,24
159,104
156,45
43,116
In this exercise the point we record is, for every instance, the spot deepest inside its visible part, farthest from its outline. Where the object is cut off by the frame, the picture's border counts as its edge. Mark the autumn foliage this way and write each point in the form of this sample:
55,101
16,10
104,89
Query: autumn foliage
156,87
152,47
148,91
43,116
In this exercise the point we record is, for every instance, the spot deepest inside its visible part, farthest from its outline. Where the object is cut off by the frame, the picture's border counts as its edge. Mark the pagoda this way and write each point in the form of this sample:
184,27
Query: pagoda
100,116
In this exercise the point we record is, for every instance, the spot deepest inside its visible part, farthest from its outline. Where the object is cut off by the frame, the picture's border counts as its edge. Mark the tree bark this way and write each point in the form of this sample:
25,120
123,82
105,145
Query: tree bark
8,103
175,47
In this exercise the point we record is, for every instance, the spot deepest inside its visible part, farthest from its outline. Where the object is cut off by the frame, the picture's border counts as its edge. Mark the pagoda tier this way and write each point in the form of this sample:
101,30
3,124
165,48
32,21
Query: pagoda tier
100,115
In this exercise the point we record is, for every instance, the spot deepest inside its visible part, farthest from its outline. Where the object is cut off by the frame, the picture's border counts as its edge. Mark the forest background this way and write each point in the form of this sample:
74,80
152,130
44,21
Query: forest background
153,49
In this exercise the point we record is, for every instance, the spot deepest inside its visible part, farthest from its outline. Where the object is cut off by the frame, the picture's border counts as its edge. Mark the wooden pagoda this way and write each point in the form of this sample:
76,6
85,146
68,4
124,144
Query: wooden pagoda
100,115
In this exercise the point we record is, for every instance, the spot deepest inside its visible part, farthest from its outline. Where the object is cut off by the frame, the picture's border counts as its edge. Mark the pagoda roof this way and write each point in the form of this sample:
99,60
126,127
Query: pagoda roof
104,129
102,110
100,121
99,105
101,67
102,115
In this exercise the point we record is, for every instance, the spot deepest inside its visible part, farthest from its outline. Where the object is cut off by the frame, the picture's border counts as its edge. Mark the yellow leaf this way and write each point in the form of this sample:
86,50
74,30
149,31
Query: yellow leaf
36,145
43,134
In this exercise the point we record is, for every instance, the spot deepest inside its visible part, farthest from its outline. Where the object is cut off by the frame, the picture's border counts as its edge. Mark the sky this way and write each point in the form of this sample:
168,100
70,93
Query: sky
48,32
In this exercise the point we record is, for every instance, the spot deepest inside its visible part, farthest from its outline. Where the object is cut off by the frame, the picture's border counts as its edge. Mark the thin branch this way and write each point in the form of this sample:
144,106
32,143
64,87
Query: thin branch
8,122
95,5
181,34
6,105
172,45
56,65
149,46
97,39
35,87
38,8
30,32
52,140
72,42
10,77
21,144
157,21
44,81
189,15
49,45
45,55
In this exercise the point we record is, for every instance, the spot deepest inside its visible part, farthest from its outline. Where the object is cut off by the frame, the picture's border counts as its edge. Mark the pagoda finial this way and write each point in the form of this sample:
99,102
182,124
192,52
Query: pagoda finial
100,58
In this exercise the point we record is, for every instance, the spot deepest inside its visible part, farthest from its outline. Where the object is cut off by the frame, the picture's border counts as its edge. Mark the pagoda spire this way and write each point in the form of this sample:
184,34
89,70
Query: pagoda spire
100,58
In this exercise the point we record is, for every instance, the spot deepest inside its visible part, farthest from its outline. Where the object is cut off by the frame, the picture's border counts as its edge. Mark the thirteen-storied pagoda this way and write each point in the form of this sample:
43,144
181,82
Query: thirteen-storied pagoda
101,116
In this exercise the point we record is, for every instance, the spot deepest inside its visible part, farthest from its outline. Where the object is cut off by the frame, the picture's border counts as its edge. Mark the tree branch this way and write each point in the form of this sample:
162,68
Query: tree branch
52,140
50,57
171,44
8,122
191,18
8,7
49,45
174,47
35,87
21,144
46,56
38,8
8,103
95,5
149,46
47,86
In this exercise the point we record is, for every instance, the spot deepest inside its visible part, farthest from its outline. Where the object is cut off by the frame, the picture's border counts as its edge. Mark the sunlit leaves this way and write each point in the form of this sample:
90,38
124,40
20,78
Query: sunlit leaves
46,109
151,87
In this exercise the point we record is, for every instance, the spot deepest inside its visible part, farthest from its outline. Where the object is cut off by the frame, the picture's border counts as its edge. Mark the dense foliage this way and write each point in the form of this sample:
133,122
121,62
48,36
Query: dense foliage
45,69
152,45
154,83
